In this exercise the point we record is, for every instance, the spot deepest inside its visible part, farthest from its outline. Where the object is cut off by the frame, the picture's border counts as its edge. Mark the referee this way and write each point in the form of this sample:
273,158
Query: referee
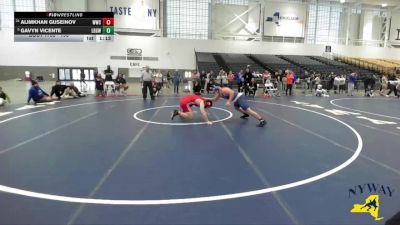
146,80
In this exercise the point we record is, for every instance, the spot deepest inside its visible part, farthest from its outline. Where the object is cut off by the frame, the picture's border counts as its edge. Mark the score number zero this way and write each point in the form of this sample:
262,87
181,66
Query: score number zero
108,25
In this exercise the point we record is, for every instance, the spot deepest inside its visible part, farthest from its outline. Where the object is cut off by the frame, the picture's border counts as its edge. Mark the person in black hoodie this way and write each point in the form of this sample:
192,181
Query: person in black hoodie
203,77
4,97
99,85
120,83
196,87
247,77
58,89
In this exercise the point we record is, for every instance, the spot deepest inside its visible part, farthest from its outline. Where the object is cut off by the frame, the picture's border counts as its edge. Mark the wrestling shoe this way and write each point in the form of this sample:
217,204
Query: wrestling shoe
245,115
262,123
173,114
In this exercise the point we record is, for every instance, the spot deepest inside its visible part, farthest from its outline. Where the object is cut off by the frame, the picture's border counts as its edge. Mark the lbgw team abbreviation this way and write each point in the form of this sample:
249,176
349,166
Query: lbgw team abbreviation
96,31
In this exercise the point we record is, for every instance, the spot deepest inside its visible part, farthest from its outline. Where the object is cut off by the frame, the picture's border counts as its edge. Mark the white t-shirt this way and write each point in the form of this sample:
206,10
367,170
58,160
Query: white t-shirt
342,81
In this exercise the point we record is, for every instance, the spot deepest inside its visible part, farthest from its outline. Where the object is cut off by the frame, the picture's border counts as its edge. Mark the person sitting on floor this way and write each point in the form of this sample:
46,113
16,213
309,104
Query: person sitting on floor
69,93
76,90
320,92
196,87
58,90
4,97
37,94
120,84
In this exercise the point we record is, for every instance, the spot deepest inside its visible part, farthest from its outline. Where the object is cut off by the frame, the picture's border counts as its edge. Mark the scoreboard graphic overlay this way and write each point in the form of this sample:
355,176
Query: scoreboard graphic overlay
63,26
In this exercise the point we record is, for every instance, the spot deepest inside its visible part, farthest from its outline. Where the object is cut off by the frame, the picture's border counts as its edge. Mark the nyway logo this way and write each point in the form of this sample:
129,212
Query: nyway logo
370,205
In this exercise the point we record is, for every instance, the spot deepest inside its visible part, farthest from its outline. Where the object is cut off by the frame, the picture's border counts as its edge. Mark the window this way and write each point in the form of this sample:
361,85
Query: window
323,24
6,13
7,8
187,19
40,5
356,11
312,22
24,5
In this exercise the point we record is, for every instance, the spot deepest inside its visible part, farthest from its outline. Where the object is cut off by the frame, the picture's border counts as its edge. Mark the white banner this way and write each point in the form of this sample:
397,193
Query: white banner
283,19
135,14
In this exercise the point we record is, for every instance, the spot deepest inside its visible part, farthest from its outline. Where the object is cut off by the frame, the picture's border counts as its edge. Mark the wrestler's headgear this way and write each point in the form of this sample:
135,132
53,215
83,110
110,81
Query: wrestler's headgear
208,103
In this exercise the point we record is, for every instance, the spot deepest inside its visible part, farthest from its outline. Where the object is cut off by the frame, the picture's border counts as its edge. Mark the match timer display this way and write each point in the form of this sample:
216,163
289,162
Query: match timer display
63,26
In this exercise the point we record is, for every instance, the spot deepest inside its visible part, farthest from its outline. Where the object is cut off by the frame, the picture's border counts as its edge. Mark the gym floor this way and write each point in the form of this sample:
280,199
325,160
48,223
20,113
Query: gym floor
123,161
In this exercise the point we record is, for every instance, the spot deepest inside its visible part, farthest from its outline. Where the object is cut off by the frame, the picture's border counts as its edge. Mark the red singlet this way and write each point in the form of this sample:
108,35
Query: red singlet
186,100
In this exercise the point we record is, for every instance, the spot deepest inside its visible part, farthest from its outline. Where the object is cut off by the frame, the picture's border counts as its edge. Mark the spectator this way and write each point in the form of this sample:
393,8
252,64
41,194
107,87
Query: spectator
82,81
331,80
296,79
253,87
392,84
367,84
239,82
231,79
37,94
266,78
342,83
195,75
372,82
203,77
158,79
58,90
336,83
317,81
221,76
109,81
281,76
176,79
99,86
76,90
69,93
210,81
168,78
384,85
247,77
120,84
350,83
278,79
312,79
290,81
284,81
303,81
308,81
196,87
398,88
4,97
